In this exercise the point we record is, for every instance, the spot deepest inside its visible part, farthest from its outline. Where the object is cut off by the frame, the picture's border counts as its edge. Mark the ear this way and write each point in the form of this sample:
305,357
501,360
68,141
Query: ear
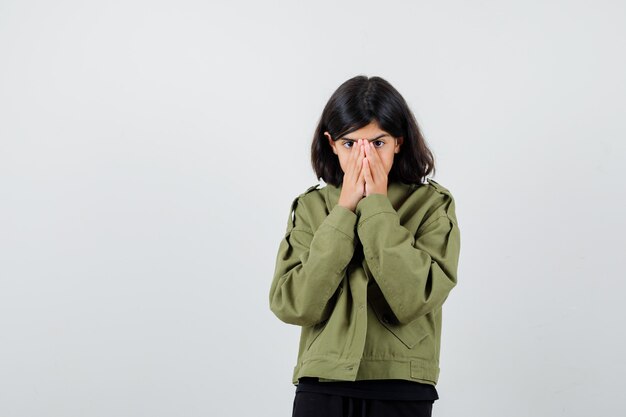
399,141
331,142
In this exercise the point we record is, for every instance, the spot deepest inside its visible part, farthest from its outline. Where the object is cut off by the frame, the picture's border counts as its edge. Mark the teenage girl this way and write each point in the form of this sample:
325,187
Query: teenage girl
367,261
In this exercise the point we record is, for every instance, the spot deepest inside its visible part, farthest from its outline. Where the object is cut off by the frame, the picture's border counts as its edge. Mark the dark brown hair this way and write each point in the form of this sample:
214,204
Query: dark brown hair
358,102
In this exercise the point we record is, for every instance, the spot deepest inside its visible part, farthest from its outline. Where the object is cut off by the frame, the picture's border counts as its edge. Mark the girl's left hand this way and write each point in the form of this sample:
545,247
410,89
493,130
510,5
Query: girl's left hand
374,171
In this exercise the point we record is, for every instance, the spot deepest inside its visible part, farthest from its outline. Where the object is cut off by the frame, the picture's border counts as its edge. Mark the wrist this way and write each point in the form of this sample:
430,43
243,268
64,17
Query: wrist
351,207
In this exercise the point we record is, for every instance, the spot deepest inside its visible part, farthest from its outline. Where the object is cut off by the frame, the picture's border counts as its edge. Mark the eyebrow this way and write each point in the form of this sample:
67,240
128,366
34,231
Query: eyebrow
377,137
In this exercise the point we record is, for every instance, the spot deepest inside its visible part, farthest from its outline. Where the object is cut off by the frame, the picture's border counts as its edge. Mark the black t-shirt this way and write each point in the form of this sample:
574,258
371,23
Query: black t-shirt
380,389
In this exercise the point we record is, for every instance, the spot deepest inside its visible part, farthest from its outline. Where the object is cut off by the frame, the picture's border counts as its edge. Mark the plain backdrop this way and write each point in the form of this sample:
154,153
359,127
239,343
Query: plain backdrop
149,152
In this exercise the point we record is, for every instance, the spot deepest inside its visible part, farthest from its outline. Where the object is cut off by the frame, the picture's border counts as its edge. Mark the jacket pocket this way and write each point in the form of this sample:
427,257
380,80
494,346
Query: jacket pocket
314,333
410,334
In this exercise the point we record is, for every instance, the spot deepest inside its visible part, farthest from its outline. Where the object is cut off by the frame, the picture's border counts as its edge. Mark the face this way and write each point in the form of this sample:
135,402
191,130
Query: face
383,143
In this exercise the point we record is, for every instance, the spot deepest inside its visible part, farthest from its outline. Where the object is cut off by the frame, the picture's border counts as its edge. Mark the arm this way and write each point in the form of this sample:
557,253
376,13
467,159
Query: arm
310,266
414,275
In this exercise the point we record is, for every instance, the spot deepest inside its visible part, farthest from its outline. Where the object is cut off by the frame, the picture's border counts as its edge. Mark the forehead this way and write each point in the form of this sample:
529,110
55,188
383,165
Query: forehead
370,132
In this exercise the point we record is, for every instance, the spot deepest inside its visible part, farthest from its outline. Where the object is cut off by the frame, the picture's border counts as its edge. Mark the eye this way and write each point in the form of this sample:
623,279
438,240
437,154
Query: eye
350,143
381,143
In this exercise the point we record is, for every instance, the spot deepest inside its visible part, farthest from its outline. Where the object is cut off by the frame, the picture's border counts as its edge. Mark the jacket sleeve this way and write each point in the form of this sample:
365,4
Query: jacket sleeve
415,274
310,265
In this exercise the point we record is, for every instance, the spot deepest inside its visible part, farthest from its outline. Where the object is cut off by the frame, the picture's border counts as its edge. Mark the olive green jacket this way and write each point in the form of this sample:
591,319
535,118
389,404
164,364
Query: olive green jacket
367,287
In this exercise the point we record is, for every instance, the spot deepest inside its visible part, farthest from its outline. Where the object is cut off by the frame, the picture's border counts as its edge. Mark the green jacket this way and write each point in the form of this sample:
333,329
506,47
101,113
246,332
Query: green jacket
367,287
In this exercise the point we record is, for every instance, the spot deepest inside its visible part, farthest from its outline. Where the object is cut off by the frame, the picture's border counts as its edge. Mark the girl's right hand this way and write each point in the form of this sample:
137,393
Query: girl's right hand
353,188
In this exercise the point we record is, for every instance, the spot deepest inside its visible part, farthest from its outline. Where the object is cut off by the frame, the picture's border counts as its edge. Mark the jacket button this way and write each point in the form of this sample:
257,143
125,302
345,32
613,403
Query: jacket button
386,319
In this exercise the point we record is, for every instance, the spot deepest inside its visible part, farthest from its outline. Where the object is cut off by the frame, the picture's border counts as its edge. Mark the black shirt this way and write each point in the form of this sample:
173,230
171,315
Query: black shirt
381,389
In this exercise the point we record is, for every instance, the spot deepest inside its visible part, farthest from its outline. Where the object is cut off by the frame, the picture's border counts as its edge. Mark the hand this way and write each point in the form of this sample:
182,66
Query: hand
353,187
374,171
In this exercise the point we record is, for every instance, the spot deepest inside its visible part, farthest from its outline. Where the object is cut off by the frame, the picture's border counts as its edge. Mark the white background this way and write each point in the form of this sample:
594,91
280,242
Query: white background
149,151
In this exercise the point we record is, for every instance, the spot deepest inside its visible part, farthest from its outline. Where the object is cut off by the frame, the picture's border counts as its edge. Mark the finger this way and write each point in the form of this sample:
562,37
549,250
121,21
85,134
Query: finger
361,183
354,151
371,162
378,168
372,155
360,154
354,154
361,180
352,168
369,181
367,172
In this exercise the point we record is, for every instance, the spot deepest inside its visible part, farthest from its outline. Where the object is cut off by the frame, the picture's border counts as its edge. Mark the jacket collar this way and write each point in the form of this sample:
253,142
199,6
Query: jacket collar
397,192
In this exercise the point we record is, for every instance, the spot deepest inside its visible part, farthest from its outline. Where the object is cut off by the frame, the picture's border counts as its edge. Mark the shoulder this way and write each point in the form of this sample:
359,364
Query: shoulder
309,194
438,187
439,200
311,189
299,204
